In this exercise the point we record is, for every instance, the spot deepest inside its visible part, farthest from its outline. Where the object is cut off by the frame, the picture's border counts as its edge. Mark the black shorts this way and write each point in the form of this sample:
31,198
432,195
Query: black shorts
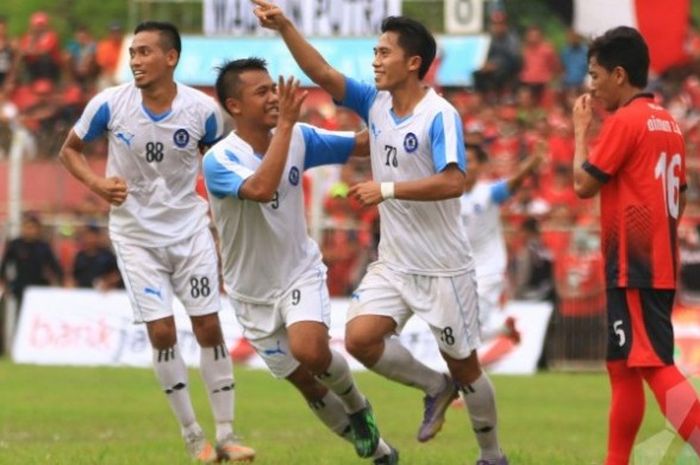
639,326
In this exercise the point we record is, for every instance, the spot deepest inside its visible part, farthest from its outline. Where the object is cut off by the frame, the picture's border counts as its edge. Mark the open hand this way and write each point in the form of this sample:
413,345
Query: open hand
583,113
290,99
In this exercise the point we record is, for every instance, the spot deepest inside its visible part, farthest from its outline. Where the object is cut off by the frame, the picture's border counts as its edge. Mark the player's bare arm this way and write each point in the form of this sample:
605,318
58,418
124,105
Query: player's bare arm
113,189
526,168
309,60
263,184
361,144
447,184
585,185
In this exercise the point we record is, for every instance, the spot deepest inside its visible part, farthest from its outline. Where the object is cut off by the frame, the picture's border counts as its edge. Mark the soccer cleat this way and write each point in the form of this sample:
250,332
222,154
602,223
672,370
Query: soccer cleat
365,433
230,449
434,410
502,461
199,448
392,458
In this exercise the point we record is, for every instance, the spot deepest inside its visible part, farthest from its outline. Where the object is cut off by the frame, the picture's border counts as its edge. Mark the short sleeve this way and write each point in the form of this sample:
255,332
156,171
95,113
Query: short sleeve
224,174
213,126
324,147
447,141
499,192
615,143
95,118
358,97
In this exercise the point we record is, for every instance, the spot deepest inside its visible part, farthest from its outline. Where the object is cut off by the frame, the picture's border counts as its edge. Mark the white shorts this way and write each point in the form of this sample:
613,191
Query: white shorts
490,290
265,325
447,303
187,270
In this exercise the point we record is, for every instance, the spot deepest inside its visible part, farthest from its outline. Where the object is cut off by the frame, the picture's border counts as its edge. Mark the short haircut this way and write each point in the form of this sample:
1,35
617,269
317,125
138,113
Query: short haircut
479,152
228,79
414,39
625,47
169,35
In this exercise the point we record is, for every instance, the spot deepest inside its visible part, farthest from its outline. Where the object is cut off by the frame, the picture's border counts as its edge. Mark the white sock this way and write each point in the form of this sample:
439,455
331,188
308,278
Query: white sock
398,364
217,372
331,411
338,379
172,373
480,400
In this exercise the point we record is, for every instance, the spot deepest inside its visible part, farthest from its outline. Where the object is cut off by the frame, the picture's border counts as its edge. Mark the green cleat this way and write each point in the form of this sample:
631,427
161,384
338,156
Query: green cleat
365,433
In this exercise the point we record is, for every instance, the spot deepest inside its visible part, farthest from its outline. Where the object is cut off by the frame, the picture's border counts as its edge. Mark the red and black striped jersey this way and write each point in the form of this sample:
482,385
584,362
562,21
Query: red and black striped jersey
640,158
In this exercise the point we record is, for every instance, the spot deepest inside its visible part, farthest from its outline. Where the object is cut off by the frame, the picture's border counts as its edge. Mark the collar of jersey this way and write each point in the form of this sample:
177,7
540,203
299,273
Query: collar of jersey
399,120
156,117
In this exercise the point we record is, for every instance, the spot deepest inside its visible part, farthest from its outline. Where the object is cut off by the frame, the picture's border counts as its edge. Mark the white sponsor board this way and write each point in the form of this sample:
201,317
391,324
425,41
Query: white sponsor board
85,327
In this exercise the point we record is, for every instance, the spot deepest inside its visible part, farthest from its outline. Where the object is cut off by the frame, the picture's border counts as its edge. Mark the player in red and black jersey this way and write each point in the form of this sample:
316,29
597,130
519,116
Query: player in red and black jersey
638,166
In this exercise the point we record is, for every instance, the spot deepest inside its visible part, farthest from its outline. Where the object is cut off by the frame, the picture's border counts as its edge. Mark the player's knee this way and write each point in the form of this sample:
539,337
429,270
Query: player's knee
207,330
361,346
313,357
162,336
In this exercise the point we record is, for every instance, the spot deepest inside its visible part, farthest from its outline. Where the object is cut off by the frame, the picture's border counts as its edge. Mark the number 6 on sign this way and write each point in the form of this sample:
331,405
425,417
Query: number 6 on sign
670,181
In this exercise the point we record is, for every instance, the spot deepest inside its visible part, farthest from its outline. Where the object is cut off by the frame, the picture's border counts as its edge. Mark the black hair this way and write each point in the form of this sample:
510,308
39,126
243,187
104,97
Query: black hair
625,47
479,152
169,35
414,39
228,79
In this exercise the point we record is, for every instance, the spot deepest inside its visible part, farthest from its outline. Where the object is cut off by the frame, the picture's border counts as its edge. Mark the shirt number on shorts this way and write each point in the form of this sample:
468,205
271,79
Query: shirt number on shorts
296,297
619,332
154,152
447,336
199,287
275,202
391,158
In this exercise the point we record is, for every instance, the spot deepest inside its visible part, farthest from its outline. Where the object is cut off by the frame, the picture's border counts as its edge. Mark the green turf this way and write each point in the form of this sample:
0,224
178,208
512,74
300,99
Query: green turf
110,416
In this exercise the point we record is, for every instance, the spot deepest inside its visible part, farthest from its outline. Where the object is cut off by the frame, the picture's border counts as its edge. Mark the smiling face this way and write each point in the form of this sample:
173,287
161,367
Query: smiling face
256,100
150,63
391,65
605,85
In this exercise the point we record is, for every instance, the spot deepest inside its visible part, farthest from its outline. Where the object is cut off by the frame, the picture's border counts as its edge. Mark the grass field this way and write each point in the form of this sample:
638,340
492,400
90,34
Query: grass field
115,416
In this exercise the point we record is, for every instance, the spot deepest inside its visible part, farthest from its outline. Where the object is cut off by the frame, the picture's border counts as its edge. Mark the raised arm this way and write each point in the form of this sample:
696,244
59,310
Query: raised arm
262,185
526,168
585,185
113,189
309,60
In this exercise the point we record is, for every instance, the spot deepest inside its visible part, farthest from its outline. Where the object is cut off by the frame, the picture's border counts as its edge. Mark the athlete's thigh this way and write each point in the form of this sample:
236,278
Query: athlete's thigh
379,294
449,305
195,276
146,276
264,328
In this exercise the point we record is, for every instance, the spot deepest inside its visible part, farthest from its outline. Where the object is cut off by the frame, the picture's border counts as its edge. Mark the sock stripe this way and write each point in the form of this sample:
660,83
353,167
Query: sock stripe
177,387
165,355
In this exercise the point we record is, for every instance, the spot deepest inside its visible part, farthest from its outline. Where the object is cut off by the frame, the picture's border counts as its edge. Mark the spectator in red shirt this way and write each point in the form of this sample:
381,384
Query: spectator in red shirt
540,62
108,50
40,50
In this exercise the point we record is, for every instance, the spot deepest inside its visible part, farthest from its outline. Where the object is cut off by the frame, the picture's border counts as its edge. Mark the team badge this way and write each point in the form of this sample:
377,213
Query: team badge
294,176
181,137
410,142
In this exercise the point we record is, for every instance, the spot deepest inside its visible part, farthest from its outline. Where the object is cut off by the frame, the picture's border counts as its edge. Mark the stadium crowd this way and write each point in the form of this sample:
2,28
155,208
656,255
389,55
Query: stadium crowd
520,103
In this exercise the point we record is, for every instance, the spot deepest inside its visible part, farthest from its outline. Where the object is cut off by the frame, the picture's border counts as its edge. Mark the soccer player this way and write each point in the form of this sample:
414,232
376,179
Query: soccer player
481,216
638,166
425,266
158,224
254,180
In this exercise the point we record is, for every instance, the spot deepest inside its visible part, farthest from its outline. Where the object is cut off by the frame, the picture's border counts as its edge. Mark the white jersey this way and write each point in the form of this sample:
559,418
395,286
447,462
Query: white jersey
158,157
265,247
423,238
482,222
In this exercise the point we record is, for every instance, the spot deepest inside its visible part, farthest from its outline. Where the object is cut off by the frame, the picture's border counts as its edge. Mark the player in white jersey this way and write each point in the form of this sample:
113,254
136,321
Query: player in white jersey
424,266
254,181
158,224
481,216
